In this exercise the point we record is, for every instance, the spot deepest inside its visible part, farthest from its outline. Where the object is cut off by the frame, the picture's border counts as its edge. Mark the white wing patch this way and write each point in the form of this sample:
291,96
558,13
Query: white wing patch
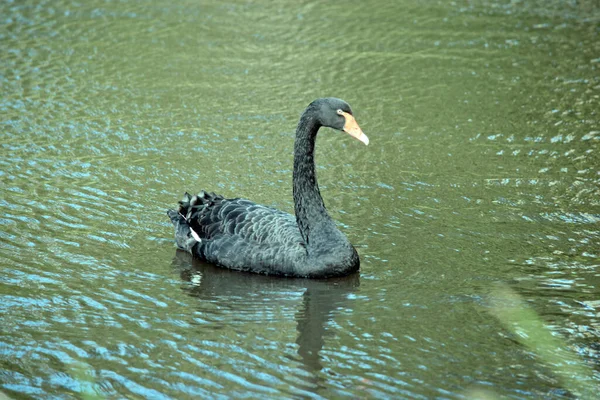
195,235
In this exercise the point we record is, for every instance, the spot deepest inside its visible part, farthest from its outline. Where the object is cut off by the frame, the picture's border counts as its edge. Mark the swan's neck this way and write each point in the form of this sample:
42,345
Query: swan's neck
311,214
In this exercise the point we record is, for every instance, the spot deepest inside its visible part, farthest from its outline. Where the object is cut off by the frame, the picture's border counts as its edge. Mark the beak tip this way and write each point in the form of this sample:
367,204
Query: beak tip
365,139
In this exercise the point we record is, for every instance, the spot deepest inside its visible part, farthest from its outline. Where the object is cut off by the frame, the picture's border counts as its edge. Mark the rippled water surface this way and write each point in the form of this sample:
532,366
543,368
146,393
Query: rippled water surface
482,169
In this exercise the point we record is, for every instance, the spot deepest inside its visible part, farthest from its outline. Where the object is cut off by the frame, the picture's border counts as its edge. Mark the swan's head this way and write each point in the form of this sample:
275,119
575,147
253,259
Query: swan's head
337,114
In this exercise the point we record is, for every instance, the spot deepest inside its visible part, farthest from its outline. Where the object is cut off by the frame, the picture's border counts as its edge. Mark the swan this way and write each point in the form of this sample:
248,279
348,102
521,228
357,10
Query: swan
241,235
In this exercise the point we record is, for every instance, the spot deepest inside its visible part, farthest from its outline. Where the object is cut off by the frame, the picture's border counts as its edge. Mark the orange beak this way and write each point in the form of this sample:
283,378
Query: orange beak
351,127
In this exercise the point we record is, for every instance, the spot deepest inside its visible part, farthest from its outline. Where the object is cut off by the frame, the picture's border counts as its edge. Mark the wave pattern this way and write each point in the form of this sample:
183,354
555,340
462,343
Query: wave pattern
482,168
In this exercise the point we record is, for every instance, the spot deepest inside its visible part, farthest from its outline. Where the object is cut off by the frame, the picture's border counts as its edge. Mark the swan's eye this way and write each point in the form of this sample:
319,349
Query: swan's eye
340,112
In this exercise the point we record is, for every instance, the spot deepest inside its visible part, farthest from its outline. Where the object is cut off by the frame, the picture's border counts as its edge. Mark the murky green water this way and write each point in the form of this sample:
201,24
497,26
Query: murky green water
483,168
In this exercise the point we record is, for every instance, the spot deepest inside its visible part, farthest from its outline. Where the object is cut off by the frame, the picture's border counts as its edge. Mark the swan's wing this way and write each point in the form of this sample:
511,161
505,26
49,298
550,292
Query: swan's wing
238,234
213,217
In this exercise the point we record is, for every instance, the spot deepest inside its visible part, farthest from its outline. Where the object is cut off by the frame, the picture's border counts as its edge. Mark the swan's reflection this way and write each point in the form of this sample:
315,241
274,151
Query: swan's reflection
319,299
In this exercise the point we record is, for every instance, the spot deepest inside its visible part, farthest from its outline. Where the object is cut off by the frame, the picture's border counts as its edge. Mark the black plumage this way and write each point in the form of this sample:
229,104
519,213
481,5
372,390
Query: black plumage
241,235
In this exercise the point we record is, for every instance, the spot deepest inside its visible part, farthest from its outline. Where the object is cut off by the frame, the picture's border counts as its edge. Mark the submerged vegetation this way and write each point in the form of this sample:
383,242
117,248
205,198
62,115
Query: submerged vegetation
529,329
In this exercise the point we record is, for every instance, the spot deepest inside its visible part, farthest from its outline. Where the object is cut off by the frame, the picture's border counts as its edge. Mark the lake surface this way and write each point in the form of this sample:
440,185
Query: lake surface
483,169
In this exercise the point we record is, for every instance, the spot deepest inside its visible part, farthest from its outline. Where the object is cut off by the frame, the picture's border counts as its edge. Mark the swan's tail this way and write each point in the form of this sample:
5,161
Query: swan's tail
178,217
183,232
189,208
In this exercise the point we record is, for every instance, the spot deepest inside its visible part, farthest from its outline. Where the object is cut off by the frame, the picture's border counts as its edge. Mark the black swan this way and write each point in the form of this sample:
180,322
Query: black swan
241,235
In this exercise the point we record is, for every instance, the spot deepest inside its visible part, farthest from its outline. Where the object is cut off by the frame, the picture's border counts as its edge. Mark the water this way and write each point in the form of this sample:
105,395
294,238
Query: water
482,169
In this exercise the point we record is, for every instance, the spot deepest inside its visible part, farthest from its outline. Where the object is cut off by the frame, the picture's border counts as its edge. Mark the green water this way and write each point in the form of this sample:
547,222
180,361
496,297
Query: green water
482,169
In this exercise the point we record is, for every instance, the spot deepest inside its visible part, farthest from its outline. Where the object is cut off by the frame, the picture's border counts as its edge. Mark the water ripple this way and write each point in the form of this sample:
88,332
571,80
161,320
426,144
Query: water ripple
482,168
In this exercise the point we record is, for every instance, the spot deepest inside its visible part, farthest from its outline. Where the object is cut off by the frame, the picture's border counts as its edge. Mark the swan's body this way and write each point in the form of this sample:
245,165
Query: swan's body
241,235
